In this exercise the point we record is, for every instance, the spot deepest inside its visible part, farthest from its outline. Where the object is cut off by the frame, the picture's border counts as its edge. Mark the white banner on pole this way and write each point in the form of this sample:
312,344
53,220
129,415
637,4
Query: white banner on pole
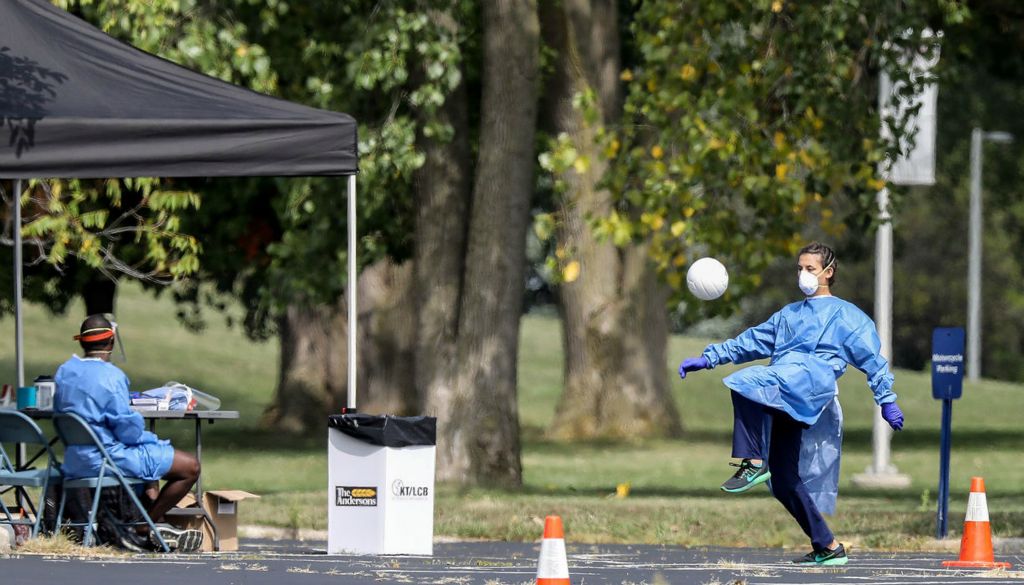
916,166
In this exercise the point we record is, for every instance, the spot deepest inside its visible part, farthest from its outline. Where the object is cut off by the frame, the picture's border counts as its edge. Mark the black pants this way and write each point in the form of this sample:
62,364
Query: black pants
783,458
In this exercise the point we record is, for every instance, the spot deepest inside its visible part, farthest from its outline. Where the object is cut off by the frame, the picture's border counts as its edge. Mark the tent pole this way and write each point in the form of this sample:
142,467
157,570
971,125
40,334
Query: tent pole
19,356
352,314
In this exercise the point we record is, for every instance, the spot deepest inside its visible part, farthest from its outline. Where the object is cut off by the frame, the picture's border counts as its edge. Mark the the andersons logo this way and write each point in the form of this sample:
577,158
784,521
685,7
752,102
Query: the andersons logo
400,490
355,496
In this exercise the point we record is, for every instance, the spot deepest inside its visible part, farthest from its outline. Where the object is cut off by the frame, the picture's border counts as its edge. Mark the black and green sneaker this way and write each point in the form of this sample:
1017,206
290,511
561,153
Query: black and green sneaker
824,557
747,476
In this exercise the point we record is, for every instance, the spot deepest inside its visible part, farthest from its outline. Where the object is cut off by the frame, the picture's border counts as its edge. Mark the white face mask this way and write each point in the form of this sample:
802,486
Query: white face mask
808,282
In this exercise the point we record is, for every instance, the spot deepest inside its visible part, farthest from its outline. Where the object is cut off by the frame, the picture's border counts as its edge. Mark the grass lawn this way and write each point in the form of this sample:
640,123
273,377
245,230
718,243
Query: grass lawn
673,483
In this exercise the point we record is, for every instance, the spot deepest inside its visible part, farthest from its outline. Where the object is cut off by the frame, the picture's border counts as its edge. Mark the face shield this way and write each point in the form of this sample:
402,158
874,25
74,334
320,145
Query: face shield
119,340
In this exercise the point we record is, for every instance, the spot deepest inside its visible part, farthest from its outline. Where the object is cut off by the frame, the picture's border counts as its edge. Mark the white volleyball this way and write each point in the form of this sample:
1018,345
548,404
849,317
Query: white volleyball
707,279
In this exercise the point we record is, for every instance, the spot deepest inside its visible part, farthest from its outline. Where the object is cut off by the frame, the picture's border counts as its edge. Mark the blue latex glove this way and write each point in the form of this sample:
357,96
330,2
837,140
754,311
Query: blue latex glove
893,415
692,365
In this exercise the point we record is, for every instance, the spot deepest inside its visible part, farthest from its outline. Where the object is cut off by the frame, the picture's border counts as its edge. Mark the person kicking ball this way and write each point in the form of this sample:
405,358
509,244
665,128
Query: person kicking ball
787,420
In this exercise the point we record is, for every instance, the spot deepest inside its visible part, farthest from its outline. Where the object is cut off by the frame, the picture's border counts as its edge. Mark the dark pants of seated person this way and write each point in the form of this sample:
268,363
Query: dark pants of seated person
783,457
179,479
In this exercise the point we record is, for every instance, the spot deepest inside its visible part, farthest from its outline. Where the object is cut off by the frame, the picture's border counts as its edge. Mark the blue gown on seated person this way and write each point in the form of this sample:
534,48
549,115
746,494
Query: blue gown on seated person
97,391
810,343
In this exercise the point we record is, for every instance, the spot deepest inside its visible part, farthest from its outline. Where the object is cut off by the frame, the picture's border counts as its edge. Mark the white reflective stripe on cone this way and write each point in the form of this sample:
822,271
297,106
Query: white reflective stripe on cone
553,564
977,508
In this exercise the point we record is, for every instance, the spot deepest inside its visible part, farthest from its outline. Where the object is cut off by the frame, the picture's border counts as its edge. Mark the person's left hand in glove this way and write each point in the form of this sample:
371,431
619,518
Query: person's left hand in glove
893,415
692,365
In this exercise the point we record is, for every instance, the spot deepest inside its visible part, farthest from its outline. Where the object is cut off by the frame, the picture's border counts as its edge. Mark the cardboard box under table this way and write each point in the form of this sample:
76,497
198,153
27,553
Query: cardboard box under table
380,484
222,507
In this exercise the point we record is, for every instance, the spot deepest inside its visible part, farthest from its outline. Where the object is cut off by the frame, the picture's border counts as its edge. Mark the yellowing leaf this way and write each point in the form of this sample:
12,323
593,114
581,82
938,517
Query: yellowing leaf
715,144
626,75
612,148
807,159
571,271
657,151
777,6
688,212
779,140
780,171
657,222
581,165
688,72
652,85
674,279
678,228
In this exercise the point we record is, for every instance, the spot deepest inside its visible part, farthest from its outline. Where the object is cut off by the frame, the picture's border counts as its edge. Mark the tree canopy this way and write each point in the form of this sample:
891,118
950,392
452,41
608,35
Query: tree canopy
741,118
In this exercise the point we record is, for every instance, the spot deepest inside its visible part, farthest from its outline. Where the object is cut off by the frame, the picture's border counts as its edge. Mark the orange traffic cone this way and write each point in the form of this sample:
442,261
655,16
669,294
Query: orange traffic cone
553,568
976,544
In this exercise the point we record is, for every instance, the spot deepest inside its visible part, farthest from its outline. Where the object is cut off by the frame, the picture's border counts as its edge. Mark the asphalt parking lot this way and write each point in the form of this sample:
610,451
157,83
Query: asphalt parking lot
488,563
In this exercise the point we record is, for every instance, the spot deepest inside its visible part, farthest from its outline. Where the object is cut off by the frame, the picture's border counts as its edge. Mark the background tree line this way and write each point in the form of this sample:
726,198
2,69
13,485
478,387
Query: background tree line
624,138
980,74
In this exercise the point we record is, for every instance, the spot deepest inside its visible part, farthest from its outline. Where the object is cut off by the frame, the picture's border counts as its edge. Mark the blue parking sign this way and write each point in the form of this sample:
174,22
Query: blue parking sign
947,363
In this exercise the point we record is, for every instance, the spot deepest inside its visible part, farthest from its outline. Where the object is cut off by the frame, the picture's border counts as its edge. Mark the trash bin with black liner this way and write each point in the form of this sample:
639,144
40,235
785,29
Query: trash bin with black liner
380,473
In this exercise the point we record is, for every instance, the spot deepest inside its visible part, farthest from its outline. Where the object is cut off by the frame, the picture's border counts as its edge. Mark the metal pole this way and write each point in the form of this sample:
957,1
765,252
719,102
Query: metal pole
974,263
942,516
881,472
352,276
19,353
881,434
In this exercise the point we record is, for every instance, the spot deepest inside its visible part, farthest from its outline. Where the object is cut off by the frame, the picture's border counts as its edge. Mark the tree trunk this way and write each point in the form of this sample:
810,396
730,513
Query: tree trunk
614,316
387,331
303,396
479,443
313,378
442,187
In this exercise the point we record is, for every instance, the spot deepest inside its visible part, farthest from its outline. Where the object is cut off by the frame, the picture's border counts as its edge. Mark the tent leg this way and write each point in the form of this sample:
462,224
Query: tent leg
19,353
352,276
19,356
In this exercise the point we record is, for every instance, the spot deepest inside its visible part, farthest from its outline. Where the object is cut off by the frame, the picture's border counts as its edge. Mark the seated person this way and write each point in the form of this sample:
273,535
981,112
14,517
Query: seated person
97,390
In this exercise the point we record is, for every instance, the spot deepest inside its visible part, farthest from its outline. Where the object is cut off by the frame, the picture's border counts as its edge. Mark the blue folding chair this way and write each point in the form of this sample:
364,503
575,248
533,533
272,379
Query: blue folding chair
73,430
15,427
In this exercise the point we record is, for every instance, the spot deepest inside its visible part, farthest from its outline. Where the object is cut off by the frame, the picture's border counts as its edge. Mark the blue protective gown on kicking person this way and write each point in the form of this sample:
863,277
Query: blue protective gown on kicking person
97,391
809,343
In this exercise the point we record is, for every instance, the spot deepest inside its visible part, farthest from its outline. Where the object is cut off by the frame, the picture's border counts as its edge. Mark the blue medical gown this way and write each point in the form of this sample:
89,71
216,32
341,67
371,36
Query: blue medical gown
97,391
810,343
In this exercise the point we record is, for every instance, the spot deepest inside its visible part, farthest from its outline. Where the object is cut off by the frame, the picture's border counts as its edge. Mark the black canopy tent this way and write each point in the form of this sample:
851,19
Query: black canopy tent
76,103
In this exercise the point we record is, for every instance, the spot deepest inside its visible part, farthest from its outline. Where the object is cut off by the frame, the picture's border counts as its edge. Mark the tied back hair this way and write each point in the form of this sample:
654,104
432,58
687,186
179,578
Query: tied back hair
826,255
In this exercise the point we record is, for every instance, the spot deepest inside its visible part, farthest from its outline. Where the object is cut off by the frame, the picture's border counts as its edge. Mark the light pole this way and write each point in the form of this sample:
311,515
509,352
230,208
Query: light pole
978,136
